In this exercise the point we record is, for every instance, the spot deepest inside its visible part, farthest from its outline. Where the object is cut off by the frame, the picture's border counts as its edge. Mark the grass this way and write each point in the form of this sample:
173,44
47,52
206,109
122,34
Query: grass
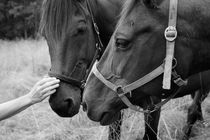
24,62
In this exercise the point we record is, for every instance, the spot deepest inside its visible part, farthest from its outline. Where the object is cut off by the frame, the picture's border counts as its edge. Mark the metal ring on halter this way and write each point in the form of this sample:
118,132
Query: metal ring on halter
170,33
120,91
174,60
175,63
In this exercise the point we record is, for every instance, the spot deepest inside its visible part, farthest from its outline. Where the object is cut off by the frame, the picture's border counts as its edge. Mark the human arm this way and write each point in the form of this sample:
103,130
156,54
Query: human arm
39,92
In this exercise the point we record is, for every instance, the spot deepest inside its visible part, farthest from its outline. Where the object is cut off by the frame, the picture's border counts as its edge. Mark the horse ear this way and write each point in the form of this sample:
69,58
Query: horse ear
150,3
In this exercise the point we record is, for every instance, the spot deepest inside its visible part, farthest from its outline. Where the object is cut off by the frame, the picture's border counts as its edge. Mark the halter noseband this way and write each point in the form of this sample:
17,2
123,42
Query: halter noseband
97,55
166,68
66,79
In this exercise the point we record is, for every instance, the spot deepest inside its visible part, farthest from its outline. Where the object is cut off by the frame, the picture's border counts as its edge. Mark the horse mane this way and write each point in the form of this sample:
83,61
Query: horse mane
55,17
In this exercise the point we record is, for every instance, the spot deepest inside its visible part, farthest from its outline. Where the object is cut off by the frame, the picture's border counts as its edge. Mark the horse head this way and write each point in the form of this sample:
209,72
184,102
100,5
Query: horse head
67,27
138,48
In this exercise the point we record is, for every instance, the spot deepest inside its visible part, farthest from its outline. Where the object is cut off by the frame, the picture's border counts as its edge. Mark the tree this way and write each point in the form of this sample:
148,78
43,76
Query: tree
19,18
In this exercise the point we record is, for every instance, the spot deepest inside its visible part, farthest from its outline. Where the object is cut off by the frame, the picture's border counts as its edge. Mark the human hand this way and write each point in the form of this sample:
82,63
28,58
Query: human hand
42,89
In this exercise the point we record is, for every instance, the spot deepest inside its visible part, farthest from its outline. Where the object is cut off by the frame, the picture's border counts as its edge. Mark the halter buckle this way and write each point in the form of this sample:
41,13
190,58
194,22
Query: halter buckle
120,91
170,33
180,82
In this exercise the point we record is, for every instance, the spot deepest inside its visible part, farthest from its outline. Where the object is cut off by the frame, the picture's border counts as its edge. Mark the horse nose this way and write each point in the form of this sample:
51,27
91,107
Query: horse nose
66,101
84,105
65,108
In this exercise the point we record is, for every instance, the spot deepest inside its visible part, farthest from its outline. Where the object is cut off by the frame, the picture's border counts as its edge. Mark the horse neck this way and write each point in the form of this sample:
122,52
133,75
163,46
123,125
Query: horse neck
194,36
105,18
201,60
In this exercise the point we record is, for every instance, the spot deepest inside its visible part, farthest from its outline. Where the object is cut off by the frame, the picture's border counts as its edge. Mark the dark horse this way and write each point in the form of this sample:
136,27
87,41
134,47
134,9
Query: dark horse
68,28
137,47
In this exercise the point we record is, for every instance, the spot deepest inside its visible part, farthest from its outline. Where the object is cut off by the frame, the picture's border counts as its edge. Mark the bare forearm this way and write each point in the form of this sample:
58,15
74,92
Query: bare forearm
39,92
13,107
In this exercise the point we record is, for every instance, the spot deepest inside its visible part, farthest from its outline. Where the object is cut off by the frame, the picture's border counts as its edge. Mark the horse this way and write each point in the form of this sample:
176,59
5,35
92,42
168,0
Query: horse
59,35
137,47
69,26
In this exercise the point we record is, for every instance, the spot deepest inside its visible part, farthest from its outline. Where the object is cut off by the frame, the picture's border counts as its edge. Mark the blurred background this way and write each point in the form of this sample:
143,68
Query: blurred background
19,18
24,59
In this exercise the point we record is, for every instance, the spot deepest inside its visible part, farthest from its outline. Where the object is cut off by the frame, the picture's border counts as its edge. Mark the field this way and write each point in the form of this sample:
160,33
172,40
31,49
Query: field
24,62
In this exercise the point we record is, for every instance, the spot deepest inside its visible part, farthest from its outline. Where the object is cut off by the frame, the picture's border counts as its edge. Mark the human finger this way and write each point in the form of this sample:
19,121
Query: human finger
45,80
49,83
49,88
49,93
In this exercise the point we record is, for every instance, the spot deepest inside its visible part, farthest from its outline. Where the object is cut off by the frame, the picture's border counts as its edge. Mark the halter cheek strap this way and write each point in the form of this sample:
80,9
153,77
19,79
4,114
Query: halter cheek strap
170,35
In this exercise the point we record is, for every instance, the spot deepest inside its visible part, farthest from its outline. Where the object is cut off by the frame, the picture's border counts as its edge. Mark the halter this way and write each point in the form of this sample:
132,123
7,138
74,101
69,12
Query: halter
166,67
97,55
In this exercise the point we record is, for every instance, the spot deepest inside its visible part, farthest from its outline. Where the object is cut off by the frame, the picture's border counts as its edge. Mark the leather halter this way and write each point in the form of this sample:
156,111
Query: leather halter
97,55
122,90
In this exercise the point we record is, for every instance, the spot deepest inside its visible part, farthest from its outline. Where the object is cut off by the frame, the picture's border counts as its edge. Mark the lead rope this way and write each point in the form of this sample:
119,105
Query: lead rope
159,105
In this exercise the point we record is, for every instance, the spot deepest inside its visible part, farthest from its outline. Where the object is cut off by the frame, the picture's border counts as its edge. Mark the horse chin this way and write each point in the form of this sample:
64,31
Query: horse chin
109,117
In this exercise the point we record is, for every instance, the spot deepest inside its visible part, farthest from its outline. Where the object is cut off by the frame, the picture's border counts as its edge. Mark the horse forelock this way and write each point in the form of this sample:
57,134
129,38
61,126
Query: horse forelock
56,16
127,7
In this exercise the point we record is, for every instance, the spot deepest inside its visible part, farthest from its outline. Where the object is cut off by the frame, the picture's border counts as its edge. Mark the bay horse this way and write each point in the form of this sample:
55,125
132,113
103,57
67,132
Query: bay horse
137,47
69,26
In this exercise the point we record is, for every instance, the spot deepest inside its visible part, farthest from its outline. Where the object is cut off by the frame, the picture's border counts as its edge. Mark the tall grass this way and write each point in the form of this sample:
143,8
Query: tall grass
24,62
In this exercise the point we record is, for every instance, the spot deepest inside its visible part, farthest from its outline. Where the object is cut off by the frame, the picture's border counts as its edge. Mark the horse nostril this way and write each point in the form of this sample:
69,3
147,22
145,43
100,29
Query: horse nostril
84,105
69,102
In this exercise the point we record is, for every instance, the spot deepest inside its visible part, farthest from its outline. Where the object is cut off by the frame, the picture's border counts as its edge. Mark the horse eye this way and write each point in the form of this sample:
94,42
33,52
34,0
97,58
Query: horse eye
122,43
81,30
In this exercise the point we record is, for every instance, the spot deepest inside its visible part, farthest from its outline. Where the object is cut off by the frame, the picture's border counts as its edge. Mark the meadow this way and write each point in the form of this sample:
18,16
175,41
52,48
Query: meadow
23,62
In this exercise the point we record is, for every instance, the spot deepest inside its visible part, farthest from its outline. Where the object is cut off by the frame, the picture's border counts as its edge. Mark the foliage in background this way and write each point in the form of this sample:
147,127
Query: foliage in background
19,18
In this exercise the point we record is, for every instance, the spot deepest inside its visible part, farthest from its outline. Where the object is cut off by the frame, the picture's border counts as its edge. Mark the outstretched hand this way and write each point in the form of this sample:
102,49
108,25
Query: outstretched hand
42,89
